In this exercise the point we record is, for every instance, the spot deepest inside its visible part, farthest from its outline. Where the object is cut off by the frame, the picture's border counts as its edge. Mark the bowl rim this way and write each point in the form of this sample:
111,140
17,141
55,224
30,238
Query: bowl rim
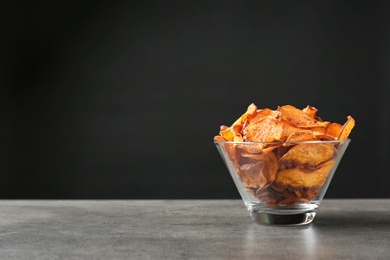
291,143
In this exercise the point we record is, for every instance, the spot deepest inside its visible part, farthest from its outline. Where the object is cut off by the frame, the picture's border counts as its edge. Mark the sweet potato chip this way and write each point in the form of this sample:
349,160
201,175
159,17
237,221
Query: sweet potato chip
307,135
288,129
296,178
251,148
260,114
259,174
265,130
322,136
271,163
238,125
219,138
267,197
299,118
303,135
347,128
250,175
270,148
311,111
311,193
233,133
226,133
308,155
334,129
318,129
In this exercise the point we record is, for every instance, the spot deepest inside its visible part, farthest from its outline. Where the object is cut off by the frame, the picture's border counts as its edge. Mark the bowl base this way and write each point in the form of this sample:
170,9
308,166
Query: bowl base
265,218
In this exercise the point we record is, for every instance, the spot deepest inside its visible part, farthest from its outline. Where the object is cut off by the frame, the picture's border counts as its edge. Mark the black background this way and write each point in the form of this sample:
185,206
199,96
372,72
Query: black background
121,99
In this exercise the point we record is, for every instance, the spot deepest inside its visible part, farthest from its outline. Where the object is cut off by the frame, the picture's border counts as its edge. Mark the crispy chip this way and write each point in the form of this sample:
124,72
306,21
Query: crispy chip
251,148
334,129
277,196
299,118
226,133
238,125
250,175
270,148
307,135
303,135
318,129
271,163
296,178
265,130
308,155
219,138
288,129
322,136
233,133
312,193
347,128
260,114
311,111
260,173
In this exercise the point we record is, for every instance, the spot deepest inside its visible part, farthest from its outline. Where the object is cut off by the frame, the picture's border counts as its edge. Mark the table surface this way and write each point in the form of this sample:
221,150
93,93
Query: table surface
188,229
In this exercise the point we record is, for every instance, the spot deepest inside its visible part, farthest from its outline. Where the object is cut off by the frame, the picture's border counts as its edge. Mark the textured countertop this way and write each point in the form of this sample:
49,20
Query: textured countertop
187,229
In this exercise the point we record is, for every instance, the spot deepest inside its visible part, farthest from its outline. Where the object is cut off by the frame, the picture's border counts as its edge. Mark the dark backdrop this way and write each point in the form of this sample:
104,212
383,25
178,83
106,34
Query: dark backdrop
121,99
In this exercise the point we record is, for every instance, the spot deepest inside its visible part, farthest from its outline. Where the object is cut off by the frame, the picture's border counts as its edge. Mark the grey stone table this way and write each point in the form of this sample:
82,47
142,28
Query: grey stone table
188,229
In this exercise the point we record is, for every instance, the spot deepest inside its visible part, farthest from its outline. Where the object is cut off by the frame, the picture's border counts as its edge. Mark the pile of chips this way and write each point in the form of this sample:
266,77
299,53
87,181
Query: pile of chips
273,155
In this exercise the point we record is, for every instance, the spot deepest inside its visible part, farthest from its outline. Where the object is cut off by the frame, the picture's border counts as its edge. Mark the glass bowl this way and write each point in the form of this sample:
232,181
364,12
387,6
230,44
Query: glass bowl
282,183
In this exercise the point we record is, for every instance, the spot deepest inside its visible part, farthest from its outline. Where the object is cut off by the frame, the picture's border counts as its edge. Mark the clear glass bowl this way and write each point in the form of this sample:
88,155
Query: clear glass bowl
282,183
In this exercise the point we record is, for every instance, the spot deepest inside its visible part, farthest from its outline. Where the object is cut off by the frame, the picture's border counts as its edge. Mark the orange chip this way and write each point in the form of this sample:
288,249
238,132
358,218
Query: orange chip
311,111
322,136
288,129
256,148
295,178
233,133
307,135
267,197
334,129
250,175
226,133
303,135
251,148
271,163
318,129
347,128
238,125
308,155
299,118
219,138
259,174
265,130
270,148
263,113
311,193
